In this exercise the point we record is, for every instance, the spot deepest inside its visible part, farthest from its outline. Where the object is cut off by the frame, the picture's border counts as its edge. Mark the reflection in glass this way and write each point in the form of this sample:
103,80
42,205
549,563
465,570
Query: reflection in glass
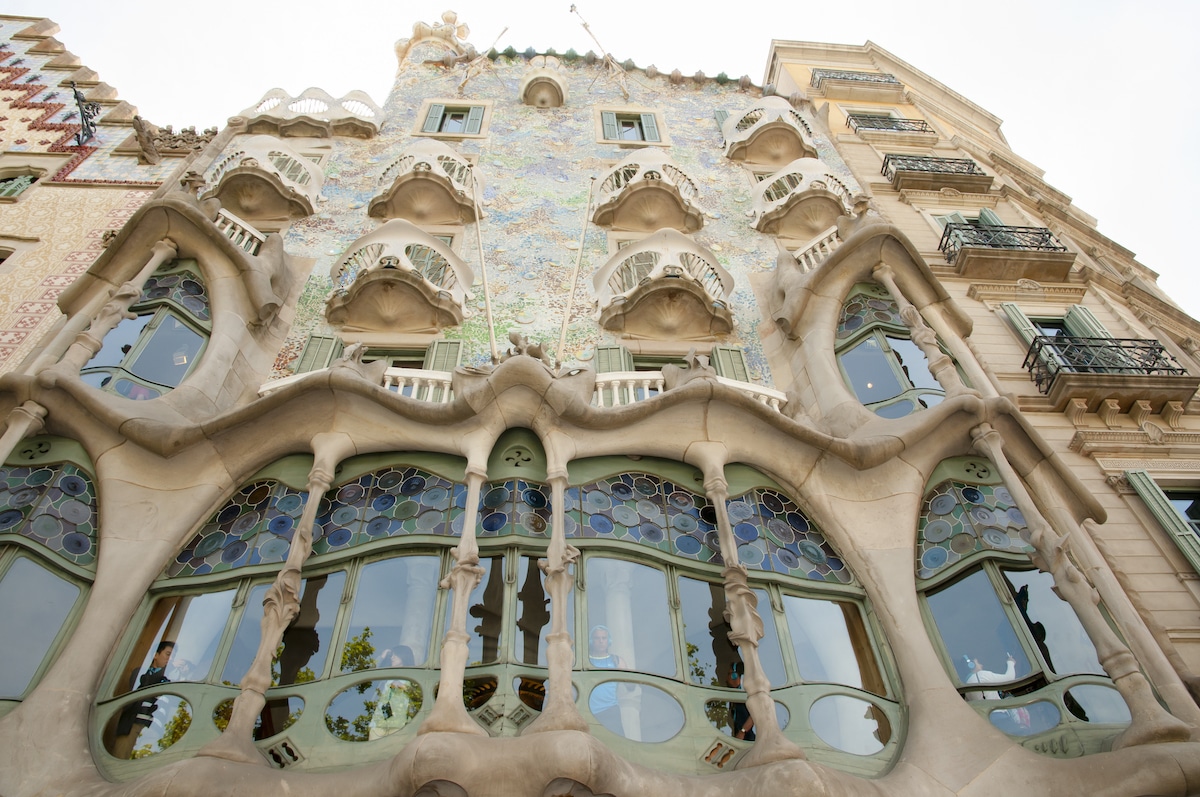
1059,635
169,354
159,722
870,372
706,634
718,713
850,724
279,714
485,613
900,409
974,626
36,604
770,654
913,363
296,660
1026,720
392,618
630,601
831,644
534,612
119,341
1095,703
194,623
373,709
648,714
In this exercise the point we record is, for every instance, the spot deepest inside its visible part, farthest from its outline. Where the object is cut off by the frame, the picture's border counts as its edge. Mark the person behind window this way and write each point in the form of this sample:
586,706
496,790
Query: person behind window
394,708
739,716
603,700
981,676
139,715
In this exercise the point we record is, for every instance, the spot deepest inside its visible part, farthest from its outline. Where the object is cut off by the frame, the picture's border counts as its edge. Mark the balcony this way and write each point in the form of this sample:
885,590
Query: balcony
771,134
398,279
933,174
647,192
841,84
891,130
265,179
665,286
818,250
618,388
430,183
800,200
1098,369
314,114
1006,253
415,383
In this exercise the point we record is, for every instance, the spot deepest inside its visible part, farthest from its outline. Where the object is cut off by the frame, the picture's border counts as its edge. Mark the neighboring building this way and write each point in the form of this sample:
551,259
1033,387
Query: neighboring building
607,386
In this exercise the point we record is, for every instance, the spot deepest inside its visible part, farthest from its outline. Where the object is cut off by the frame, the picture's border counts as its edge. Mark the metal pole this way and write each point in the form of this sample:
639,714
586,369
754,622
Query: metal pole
587,216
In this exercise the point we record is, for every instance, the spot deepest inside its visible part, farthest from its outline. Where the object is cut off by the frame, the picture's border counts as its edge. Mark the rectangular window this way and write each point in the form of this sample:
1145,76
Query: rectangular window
629,127
1177,511
454,119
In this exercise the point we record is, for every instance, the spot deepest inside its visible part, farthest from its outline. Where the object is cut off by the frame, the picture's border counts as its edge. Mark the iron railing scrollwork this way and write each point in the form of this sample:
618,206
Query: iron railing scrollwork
821,75
1030,239
867,121
1049,356
921,163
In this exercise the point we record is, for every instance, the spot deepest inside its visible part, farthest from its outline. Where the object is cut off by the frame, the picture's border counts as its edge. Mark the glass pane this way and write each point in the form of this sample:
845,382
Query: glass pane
392,618
119,341
301,654
191,626
1060,637
831,644
454,121
148,726
977,633
1095,703
36,604
1026,720
373,709
770,654
721,715
643,713
279,714
900,409
850,724
629,623
1188,505
166,358
485,613
913,363
534,613
706,634
870,372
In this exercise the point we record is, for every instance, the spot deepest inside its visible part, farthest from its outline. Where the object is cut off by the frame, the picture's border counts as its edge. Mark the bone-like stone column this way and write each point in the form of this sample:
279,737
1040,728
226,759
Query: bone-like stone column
1150,721
27,419
940,364
280,607
449,714
559,711
116,309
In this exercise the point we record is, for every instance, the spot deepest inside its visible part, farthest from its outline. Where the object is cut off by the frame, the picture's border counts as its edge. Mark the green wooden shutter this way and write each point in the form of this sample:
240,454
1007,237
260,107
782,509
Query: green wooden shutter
721,116
433,121
1082,324
474,119
989,218
609,120
319,351
443,355
729,363
1020,321
1178,529
613,358
650,128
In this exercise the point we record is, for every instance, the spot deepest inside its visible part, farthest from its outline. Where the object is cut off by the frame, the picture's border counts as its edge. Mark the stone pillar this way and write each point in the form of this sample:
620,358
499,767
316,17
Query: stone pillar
449,714
27,419
116,309
559,711
280,607
1150,721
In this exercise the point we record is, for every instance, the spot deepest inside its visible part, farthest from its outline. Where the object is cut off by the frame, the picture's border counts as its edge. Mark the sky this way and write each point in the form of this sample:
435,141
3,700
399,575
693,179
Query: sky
1098,93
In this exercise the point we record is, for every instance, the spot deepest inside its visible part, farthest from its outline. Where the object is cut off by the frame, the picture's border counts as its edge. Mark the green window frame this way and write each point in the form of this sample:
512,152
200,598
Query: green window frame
453,120
1171,509
630,127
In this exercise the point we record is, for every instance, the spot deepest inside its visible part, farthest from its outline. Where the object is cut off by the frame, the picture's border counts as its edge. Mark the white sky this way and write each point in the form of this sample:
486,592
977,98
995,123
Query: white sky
1099,93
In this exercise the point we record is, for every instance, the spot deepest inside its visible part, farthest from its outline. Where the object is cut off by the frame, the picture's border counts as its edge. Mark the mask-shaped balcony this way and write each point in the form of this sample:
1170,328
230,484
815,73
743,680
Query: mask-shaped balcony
771,133
665,286
266,179
647,192
314,114
429,184
398,279
800,200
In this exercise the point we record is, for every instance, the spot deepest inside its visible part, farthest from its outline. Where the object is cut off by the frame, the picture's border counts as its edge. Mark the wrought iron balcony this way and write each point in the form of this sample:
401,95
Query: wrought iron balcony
1006,253
844,84
819,76
867,121
1034,239
933,174
1050,356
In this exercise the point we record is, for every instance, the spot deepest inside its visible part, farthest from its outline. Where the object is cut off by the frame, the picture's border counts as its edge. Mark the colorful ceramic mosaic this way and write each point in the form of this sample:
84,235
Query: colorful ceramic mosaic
184,288
960,519
868,306
53,505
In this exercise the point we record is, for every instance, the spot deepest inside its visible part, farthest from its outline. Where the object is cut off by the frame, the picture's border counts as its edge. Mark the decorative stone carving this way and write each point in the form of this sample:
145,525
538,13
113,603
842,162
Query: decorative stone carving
544,85
770,133
265,179
449,33
429,183
313,114
647,191
800,200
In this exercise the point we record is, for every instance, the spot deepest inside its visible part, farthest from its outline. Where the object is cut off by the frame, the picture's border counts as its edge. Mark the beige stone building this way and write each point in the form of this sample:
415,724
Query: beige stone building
562,426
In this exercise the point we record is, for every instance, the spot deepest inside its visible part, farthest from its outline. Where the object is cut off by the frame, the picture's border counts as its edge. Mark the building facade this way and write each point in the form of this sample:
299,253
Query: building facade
565,427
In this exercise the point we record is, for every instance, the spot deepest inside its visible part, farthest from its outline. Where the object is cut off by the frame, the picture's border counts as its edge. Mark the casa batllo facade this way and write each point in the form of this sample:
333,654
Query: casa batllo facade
564,426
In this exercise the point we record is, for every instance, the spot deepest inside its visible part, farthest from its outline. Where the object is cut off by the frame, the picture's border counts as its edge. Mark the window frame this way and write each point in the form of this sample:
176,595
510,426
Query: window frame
477,119
606,119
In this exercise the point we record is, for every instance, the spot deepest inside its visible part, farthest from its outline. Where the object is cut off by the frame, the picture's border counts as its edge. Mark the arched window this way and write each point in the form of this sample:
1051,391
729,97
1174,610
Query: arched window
883,367
148,355
1011,645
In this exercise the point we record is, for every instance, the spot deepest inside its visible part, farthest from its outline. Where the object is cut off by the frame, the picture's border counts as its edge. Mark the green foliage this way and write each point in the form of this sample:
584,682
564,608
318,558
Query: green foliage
358,653
173,731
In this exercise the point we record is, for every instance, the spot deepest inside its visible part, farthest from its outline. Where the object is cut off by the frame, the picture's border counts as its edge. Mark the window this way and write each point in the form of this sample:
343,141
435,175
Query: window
631,127
13,187
321,350
454,119
1176,510
37,603
1075,342
148,355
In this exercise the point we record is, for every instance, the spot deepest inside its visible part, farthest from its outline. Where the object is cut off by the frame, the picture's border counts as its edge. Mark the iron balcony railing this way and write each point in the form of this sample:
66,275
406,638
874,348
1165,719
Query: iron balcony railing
1030,239
821,75
866,121
1049,356
921,163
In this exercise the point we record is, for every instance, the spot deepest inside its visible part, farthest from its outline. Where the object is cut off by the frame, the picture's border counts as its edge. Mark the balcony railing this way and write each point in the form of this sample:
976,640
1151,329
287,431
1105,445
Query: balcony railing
1049,356
821,75
918,163
415,383
618,388
816,252
866,121
240,232
1028,239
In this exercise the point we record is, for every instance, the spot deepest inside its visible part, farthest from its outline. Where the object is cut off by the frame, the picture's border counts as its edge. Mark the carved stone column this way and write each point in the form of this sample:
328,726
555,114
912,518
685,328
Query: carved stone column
1150,721
559,711
940,364
116,309
27,419
280,607
449,714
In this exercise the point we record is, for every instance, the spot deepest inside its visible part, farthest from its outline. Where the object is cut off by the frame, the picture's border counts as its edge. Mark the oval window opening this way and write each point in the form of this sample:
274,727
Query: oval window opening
1026,720
849,724
373,709
279,714
1095,703
147,726
722,715
639,712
